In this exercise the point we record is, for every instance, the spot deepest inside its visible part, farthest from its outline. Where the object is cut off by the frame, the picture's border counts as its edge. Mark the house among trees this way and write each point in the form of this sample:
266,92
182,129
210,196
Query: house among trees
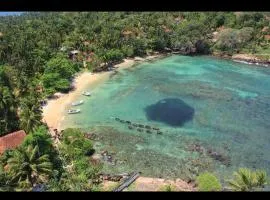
11,140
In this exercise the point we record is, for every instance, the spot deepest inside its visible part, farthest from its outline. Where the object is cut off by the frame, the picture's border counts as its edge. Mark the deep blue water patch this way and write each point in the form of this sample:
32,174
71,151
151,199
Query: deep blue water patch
171,111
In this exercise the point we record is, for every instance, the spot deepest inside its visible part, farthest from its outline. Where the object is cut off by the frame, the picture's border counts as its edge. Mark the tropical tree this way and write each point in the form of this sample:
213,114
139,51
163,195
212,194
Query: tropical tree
248,180
27,167
75,145
39,136
7,111
3,179
79,172
30,116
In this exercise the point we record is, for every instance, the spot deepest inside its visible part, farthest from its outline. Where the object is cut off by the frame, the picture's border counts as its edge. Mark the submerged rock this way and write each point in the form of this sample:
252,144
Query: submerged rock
140,130
159,132
219,157
147,126
141,125
135,125
197,148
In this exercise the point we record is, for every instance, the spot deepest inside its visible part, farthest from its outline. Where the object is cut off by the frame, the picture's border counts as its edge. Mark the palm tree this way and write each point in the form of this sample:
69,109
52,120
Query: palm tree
30,116
247,180
27,167
7,110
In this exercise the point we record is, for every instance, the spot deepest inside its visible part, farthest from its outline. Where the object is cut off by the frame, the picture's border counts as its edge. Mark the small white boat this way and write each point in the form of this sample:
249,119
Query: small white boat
77,103
86,93
71,111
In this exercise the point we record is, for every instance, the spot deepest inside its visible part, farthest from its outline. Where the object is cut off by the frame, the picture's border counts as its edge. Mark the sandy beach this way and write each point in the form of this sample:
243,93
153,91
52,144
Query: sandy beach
54,110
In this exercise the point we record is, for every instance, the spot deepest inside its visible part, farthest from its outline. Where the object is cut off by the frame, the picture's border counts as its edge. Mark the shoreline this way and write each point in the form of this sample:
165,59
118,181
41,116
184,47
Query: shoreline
249,59
54,110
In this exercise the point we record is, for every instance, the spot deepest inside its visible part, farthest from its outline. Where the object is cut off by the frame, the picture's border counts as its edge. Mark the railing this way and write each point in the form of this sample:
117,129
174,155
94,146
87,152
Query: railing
127,182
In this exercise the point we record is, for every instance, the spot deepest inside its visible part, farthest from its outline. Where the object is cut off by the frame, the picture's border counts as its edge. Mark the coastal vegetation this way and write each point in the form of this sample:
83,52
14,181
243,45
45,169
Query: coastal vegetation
41,53
67,167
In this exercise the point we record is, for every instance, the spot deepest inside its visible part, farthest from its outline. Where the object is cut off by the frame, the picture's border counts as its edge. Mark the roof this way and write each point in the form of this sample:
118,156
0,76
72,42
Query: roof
11,140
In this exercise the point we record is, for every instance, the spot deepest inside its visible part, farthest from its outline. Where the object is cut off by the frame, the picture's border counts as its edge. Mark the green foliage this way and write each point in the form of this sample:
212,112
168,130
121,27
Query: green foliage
28,167
252,19
41,137
30,114
58,73
113,55
208,182
75,144
248,180
4,186
53,82
128,51
232,40
61,65
8,116
79,171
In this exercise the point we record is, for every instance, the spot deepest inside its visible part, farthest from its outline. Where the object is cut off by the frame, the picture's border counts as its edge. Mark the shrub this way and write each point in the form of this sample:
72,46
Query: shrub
167,188
208,182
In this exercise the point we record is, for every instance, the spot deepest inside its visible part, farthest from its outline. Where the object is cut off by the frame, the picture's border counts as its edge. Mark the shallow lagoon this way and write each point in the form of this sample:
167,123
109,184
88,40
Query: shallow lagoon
213,115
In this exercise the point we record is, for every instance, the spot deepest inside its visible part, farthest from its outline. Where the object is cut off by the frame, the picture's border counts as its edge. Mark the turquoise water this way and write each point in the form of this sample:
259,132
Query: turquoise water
213,115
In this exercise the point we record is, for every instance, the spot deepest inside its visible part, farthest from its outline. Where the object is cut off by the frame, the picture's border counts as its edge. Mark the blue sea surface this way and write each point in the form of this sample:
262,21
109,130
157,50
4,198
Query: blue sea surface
212,115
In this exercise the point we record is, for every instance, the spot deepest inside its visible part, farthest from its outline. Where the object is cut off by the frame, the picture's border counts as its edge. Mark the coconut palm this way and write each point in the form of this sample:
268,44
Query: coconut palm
247,180
30,115
7,110
27,167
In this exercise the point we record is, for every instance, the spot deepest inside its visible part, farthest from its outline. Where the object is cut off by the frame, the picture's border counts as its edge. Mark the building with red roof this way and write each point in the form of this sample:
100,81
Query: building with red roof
11,140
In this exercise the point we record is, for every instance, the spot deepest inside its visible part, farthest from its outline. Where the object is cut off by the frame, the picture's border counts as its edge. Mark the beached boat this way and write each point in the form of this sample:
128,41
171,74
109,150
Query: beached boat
77,103
86,93
71,111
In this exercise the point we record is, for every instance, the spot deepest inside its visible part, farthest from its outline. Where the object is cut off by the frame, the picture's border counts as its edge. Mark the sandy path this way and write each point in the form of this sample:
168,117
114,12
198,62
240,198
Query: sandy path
144,184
